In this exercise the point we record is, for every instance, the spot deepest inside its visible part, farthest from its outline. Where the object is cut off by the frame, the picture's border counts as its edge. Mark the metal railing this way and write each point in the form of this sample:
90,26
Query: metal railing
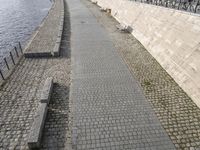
186,5
10,60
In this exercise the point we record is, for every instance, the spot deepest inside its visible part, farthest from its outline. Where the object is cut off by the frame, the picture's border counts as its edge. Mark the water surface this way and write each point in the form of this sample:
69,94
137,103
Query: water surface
18,20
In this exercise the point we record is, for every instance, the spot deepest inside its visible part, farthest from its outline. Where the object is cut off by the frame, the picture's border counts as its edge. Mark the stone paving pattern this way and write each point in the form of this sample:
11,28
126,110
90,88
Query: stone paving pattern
177,113
19,99
46,37
109,109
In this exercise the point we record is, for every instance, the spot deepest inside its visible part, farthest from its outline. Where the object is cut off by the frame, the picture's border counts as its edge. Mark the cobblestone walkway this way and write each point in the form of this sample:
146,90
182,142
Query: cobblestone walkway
177,113
19,99
109,109
45,38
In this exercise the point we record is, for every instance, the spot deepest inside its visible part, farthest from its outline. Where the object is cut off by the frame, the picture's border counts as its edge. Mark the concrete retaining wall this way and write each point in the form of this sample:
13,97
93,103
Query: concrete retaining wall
171,36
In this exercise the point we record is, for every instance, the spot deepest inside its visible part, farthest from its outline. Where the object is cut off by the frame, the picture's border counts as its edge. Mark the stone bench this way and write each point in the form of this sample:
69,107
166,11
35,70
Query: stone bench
34,140
35,135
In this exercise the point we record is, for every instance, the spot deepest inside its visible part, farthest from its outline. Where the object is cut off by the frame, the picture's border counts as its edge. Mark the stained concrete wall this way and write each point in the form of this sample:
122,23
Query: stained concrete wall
171,36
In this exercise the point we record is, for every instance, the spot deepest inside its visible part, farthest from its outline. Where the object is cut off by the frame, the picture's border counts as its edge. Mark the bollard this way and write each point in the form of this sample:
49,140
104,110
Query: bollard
20,47
6,64
12,58
2,75
16,52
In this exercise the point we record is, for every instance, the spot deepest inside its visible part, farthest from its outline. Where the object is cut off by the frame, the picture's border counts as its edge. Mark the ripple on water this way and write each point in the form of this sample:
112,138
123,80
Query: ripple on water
18,20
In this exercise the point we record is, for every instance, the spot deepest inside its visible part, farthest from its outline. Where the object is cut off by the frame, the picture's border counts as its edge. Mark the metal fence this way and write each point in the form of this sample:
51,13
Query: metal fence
186,5
10,60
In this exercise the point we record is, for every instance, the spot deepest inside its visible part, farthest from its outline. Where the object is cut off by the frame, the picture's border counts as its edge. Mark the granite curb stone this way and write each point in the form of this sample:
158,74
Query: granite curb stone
47,91
40,117
56,49
35,135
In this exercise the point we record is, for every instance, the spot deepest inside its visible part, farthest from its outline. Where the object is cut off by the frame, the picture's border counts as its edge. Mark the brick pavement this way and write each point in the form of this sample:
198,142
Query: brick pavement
19,99
109,108
177,113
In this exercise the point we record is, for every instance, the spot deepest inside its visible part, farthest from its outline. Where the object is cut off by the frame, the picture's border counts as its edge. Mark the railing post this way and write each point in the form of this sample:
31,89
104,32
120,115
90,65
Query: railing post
6,63
187,5
2,75
166,4
179,4
12,58
20,47
197,4
16,52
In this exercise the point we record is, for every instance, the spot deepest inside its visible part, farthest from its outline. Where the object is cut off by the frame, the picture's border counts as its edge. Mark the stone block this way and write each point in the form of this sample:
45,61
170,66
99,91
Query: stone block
37,54
47,91
56,50
35,135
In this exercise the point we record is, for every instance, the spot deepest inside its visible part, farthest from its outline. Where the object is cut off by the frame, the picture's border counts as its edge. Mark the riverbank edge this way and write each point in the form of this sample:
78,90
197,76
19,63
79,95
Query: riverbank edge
55,51
35,32
33,35
27,43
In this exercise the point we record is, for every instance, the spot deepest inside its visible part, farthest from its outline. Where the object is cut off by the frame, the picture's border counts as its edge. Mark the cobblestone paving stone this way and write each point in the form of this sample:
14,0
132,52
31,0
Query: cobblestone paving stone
19,99
18,102
109,109
177,113
47,31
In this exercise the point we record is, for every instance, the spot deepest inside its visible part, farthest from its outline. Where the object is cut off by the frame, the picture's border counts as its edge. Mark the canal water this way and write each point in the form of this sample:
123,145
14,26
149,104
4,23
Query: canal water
18,20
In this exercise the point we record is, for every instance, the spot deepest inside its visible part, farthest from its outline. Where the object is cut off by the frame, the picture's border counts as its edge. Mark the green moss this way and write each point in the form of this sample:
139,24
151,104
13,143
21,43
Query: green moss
147,83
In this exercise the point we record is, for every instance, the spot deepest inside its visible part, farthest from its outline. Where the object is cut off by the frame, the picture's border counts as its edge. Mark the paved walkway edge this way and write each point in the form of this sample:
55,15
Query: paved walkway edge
56,48
37,30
